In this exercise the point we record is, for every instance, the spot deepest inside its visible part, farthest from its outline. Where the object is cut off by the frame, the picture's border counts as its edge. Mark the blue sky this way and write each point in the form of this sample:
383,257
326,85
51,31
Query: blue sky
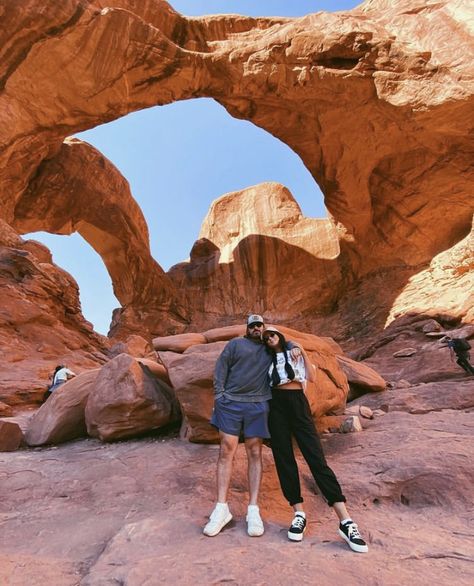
178,159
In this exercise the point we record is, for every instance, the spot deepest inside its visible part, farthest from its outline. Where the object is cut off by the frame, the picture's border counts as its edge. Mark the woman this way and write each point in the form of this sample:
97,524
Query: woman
60,376
289,417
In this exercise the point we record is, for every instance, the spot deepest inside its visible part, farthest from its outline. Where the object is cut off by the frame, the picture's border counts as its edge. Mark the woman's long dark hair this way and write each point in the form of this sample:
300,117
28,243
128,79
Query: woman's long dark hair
276,380
56,370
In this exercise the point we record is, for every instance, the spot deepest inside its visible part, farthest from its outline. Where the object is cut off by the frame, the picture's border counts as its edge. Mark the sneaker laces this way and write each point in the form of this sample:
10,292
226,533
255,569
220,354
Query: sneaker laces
298,522
353,531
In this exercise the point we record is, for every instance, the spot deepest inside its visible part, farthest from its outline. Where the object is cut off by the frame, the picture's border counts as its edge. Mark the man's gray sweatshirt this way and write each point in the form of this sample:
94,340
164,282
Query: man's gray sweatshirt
241,372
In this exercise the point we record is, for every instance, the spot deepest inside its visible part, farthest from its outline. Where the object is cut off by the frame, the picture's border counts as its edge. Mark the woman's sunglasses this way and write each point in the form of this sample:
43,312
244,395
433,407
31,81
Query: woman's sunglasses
266,338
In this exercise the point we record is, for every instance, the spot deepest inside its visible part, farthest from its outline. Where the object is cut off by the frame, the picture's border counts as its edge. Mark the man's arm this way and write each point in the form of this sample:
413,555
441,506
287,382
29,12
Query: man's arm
221,370
296,352
309,367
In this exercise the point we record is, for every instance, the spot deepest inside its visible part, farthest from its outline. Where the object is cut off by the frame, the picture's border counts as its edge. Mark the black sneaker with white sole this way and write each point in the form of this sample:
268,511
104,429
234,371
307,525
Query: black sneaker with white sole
350,532
298,526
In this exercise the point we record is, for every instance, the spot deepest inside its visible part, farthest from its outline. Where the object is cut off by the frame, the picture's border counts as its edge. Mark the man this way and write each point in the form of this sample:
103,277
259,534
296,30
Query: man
461,348
242,392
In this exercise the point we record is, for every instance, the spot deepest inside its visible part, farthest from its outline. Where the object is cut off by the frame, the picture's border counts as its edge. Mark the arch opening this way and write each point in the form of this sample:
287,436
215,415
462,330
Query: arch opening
180,157
74,255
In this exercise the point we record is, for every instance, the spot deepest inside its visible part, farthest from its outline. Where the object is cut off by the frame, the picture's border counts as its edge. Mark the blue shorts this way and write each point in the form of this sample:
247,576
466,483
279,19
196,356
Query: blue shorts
234,417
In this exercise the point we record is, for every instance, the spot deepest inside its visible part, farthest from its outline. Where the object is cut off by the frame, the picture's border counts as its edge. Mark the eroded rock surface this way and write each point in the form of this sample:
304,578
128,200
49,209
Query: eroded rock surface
376,101
402,473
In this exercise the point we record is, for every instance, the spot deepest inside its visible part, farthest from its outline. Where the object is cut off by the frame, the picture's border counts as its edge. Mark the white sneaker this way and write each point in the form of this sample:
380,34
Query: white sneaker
254,521
218,519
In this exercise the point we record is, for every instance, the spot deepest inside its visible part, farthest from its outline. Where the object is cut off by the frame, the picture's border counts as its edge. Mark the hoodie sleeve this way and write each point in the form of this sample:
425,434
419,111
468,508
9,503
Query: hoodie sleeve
222,368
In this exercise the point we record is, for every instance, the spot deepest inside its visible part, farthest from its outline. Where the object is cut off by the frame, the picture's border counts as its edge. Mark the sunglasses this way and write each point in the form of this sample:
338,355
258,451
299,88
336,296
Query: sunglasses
253,326
266,338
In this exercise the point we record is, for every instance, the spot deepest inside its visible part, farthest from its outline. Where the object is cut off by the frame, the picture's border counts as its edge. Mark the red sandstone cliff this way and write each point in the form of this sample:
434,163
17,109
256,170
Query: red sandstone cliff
376,101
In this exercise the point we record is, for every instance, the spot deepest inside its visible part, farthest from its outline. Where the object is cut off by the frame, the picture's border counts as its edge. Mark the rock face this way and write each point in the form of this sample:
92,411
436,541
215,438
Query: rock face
374,101
126,401
256,244
41,324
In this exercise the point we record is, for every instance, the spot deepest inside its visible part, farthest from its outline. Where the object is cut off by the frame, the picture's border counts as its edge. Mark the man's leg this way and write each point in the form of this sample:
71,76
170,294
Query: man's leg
221,515
253,447
225,462
463,361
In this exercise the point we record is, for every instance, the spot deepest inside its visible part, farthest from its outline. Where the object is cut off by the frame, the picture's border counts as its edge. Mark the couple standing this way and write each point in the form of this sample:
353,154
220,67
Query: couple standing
250,371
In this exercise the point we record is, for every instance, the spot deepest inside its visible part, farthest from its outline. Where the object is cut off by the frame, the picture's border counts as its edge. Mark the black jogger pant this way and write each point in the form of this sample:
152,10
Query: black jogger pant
463,359
290,416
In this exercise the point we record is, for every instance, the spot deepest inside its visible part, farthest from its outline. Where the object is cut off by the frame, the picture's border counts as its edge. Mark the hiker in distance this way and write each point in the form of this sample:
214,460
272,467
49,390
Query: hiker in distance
460,347
241,396
61,375
290,417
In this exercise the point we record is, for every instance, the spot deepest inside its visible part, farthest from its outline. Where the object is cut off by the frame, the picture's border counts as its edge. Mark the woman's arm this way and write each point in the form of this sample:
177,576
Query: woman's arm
310,368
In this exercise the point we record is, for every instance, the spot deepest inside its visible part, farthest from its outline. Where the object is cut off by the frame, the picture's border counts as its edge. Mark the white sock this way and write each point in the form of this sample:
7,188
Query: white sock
300,514
348,520
253,508
222,506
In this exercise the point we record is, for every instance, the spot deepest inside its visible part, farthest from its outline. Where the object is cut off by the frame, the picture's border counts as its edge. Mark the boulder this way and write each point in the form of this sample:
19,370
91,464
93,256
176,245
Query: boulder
224,333
431,326
61,417
362,379
128,401
156,368
134,345
361,410
178,343
422,398
191,375
11,436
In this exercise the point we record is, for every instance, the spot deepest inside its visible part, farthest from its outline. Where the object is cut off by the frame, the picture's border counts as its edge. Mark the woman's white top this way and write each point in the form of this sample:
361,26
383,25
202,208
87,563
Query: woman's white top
62,375
298,367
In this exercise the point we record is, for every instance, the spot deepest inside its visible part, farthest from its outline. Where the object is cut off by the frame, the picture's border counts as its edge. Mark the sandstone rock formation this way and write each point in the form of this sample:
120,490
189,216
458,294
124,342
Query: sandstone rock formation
127,402
375,101
361,378
61,417
257,245
41,324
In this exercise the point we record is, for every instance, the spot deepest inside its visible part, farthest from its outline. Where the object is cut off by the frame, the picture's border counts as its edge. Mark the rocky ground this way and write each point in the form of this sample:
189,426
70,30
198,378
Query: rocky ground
131,513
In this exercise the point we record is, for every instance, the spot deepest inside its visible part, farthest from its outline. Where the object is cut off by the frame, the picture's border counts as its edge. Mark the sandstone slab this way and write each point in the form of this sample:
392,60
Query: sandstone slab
134,345
178,343
5,410
361,378
127,401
